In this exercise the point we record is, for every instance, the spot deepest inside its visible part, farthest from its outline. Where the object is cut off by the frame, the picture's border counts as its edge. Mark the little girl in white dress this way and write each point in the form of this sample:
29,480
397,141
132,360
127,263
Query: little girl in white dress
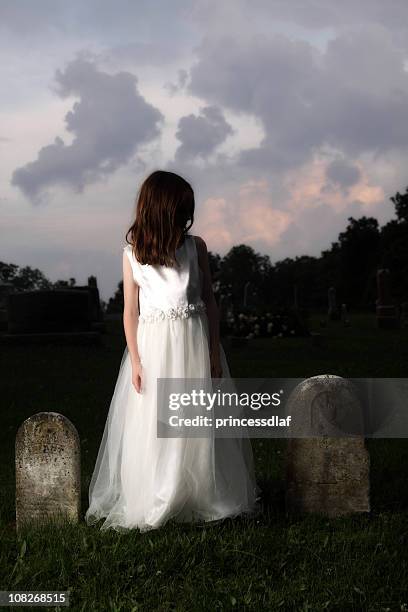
170,319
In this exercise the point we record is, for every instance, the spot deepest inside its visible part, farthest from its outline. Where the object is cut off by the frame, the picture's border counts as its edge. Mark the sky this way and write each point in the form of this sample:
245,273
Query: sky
286,118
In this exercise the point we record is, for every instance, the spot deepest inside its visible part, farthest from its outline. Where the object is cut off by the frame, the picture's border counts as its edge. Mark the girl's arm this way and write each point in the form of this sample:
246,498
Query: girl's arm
131,319
211,306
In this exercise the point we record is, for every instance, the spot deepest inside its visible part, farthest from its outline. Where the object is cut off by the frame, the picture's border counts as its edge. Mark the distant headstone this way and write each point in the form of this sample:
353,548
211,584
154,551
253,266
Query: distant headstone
48,482
333,311
52,316
51,310
386,310
96,314
326,472
246,291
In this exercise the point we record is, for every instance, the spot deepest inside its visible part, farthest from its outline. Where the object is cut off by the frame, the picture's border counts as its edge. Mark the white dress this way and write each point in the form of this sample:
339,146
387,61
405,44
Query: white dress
141,480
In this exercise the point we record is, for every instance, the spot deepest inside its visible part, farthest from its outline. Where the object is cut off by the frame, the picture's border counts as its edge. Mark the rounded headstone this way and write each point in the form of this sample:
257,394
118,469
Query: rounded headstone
47,469
327,463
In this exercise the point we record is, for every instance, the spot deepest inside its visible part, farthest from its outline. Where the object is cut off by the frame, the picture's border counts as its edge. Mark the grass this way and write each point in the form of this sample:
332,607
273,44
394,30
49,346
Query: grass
276,561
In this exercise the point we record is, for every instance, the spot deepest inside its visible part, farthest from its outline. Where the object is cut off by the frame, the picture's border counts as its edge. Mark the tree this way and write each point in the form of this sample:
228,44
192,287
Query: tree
401,205
24,278
240,265
356,255
394,247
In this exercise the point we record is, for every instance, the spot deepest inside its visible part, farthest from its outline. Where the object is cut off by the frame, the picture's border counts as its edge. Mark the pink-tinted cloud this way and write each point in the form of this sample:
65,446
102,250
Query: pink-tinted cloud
254,214
250,217
309,187
212,225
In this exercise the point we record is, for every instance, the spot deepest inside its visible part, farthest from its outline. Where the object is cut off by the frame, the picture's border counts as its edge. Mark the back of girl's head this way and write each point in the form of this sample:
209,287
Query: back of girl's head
164,214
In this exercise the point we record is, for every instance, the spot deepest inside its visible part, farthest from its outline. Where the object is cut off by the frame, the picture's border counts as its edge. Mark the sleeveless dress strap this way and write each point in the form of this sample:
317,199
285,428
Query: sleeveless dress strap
137,273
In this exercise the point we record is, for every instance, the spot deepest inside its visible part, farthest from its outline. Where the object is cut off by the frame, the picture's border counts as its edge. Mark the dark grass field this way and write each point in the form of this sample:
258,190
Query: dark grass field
275,561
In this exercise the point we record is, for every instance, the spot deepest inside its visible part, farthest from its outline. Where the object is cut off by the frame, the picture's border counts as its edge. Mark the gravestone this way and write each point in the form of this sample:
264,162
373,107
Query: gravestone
333,311
327,463
96,314
47,469
385,310
49,316
49,310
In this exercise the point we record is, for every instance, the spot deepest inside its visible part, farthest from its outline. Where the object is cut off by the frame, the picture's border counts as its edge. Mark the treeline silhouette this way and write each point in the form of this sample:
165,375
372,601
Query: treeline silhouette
248,281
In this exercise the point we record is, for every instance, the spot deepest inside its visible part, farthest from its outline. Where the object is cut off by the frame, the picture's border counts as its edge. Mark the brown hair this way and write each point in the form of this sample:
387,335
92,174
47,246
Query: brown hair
165,204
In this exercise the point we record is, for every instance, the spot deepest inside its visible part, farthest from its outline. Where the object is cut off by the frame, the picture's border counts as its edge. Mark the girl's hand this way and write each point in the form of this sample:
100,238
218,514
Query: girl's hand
137,376
216,368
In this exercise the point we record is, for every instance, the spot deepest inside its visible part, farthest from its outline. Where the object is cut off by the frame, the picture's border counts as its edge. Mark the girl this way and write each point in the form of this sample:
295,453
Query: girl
171,326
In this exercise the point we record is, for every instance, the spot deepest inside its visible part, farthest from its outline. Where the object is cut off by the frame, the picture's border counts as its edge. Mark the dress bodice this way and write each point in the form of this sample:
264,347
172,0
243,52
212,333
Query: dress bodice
169,292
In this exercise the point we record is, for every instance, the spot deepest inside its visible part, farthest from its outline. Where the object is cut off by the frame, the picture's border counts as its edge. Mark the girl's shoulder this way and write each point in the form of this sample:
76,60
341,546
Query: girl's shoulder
134,263
128,251
200,243
202,253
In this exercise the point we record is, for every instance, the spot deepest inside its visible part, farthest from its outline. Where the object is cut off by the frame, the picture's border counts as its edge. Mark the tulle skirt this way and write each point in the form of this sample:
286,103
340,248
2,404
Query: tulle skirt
141,480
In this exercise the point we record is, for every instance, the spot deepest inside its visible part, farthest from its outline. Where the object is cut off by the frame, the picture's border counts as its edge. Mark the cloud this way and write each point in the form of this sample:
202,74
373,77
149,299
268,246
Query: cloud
173,88
343,173
211,223
200,135
300,214
313,185
141,54
324,84
109,122
122,19
333,117
252,218
24,17
307,99
315,14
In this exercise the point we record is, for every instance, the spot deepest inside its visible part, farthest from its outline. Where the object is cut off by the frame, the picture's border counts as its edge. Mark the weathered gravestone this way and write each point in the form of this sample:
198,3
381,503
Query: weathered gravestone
327,463
47,469
385,308
96,314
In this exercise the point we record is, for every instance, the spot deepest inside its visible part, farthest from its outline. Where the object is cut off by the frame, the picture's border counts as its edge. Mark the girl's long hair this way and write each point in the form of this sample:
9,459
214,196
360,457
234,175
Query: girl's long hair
165,204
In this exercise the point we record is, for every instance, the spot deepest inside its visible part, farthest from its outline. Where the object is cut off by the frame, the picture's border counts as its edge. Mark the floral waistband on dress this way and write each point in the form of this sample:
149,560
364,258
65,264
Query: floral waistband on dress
177,312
